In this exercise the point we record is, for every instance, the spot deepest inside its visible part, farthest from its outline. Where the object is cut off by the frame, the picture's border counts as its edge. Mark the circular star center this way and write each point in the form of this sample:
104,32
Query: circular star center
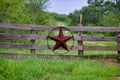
60,40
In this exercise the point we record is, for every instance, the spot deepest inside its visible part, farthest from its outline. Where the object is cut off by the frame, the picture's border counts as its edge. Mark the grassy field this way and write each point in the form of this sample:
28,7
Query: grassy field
32,68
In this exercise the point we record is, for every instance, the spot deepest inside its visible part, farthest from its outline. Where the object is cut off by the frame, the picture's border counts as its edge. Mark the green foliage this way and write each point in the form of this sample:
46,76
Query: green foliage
44,18
35,11
23,11
75,17
56,69
60,19
110,19
35,6
10,9
98,13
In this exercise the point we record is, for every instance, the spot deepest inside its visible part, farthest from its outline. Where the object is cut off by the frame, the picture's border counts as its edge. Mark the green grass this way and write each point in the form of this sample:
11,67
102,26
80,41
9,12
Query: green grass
33,68
58,23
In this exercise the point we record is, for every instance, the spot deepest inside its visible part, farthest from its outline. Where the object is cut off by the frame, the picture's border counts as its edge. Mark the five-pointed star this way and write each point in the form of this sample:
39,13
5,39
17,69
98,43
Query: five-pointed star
60,40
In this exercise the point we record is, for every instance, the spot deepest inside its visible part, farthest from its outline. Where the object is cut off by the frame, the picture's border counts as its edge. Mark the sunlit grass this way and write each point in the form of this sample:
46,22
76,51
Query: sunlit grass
55,69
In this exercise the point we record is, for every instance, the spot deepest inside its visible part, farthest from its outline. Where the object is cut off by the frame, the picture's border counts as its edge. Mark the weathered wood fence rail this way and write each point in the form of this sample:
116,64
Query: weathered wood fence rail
32,37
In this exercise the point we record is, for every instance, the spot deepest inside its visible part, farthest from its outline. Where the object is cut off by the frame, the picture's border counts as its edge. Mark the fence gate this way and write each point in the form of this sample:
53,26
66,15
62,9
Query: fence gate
79,38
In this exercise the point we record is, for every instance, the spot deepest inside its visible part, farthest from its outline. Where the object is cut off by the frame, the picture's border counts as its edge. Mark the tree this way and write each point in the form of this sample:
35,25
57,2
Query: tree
96,11
75,16
10,9
36,12
23,11
110,19
35,6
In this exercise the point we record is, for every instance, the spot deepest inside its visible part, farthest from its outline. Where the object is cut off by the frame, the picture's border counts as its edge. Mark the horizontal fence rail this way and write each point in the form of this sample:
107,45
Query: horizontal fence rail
72,28
40,37
40,47
32,37
15,55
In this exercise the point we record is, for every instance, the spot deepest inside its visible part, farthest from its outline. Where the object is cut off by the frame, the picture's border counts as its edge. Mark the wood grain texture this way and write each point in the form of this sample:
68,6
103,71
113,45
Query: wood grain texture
97,38
22,36
15,55
72,28
79,38
43,47
42,37
99,48
32,50
80,42
118,42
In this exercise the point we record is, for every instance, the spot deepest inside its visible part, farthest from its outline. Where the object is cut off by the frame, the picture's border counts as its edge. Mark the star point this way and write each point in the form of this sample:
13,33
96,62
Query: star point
60,40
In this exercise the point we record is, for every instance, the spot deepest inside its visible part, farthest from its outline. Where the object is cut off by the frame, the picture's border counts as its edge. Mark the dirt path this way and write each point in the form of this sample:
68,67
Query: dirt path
112,62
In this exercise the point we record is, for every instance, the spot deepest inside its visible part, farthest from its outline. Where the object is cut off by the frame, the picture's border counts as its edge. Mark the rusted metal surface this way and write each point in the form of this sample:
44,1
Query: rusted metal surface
60,40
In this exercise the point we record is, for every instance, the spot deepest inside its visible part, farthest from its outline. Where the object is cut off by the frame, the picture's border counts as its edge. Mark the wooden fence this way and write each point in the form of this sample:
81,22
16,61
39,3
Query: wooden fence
79,38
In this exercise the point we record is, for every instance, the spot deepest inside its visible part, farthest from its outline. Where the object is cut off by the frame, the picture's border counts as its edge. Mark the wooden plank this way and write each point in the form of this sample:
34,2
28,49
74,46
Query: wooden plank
24,46
31,46
32,50
15,26
110,48
95,29
9,36
14,55
26,26
95,38
72,28
43,47
22,36
118,42
83,29
80,42
41,37
5,45
103,56
99,56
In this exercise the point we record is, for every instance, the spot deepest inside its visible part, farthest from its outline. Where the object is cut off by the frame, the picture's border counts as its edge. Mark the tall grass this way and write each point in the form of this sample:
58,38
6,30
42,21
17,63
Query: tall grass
33,68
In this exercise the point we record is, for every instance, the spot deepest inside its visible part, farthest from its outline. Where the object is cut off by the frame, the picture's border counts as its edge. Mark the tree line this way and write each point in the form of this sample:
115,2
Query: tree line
97,13
25,11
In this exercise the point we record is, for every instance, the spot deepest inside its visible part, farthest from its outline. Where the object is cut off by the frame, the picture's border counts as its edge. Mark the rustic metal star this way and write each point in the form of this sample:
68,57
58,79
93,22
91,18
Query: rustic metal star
60,40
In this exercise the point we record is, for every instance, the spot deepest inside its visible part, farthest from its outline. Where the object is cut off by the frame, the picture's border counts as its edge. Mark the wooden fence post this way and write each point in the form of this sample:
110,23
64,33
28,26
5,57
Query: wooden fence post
118,41
80,42
32,51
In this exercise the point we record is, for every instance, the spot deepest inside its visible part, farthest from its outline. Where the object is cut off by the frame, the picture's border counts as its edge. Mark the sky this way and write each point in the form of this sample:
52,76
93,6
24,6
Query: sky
66,6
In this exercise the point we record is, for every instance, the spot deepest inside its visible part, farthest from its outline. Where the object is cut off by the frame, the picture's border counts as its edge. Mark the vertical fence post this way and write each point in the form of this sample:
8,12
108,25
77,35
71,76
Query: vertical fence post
32,51
118,41
80,42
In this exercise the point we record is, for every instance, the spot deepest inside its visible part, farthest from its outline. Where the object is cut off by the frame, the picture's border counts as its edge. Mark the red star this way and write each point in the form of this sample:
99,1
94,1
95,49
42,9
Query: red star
60,40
